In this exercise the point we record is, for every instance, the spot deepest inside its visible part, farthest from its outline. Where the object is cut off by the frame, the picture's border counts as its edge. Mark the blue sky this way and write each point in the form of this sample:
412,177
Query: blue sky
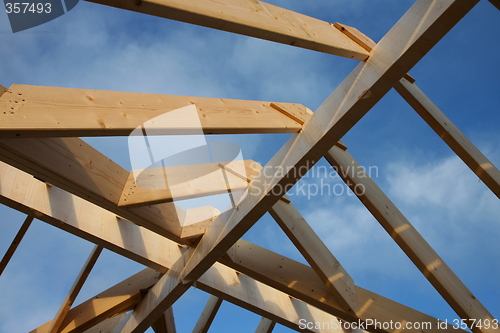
105,48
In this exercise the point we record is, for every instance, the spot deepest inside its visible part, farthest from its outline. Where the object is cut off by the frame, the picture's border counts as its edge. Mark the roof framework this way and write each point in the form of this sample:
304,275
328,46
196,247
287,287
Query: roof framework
45,165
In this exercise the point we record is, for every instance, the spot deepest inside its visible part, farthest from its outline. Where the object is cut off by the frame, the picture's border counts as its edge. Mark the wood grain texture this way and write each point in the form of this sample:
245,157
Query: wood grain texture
75,166
454,138
38,111
252,18
425,23
432,266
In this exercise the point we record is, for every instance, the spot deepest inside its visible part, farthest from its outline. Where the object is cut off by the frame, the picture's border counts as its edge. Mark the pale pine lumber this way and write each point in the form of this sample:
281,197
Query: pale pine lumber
75,289
454,138
20,191
265,326
317,254
302,282
158,299
432,266
192,227
166,322
39,111
182,182
75,166
84,219
363,40
411,38
107,325
252,18
207,315
119,298
15,243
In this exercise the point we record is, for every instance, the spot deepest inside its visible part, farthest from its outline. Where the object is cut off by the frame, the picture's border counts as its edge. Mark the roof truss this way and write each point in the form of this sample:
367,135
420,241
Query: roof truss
42,155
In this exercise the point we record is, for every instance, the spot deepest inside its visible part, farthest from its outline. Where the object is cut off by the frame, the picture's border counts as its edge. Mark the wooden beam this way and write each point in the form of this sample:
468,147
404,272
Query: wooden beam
301,281
120,298
425,23
363,40
255,19
158,185
192,227
265,326
261,299
437,120
20,191
495,3
73,214
75,289
456,294
107,325
207,315
75,166
38,111
317,254
158,299
166,322
456,140
15,243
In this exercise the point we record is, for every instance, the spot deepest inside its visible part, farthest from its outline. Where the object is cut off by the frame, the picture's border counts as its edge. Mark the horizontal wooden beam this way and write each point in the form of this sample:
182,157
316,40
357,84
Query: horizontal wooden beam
456,140
208,314
251,18
117,299
410,39
158,185
75,289
102,227
38,111
75,166
432,266
15,243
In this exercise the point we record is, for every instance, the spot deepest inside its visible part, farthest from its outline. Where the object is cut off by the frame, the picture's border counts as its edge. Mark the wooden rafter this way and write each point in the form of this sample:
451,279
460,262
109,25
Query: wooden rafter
73,165
437,120
75,289
102,227
495,3
456,140
317,254
265,326
95,200
252,18
414,34
15,243
37,111
108,325
166,322
451,288
207,315
115,300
